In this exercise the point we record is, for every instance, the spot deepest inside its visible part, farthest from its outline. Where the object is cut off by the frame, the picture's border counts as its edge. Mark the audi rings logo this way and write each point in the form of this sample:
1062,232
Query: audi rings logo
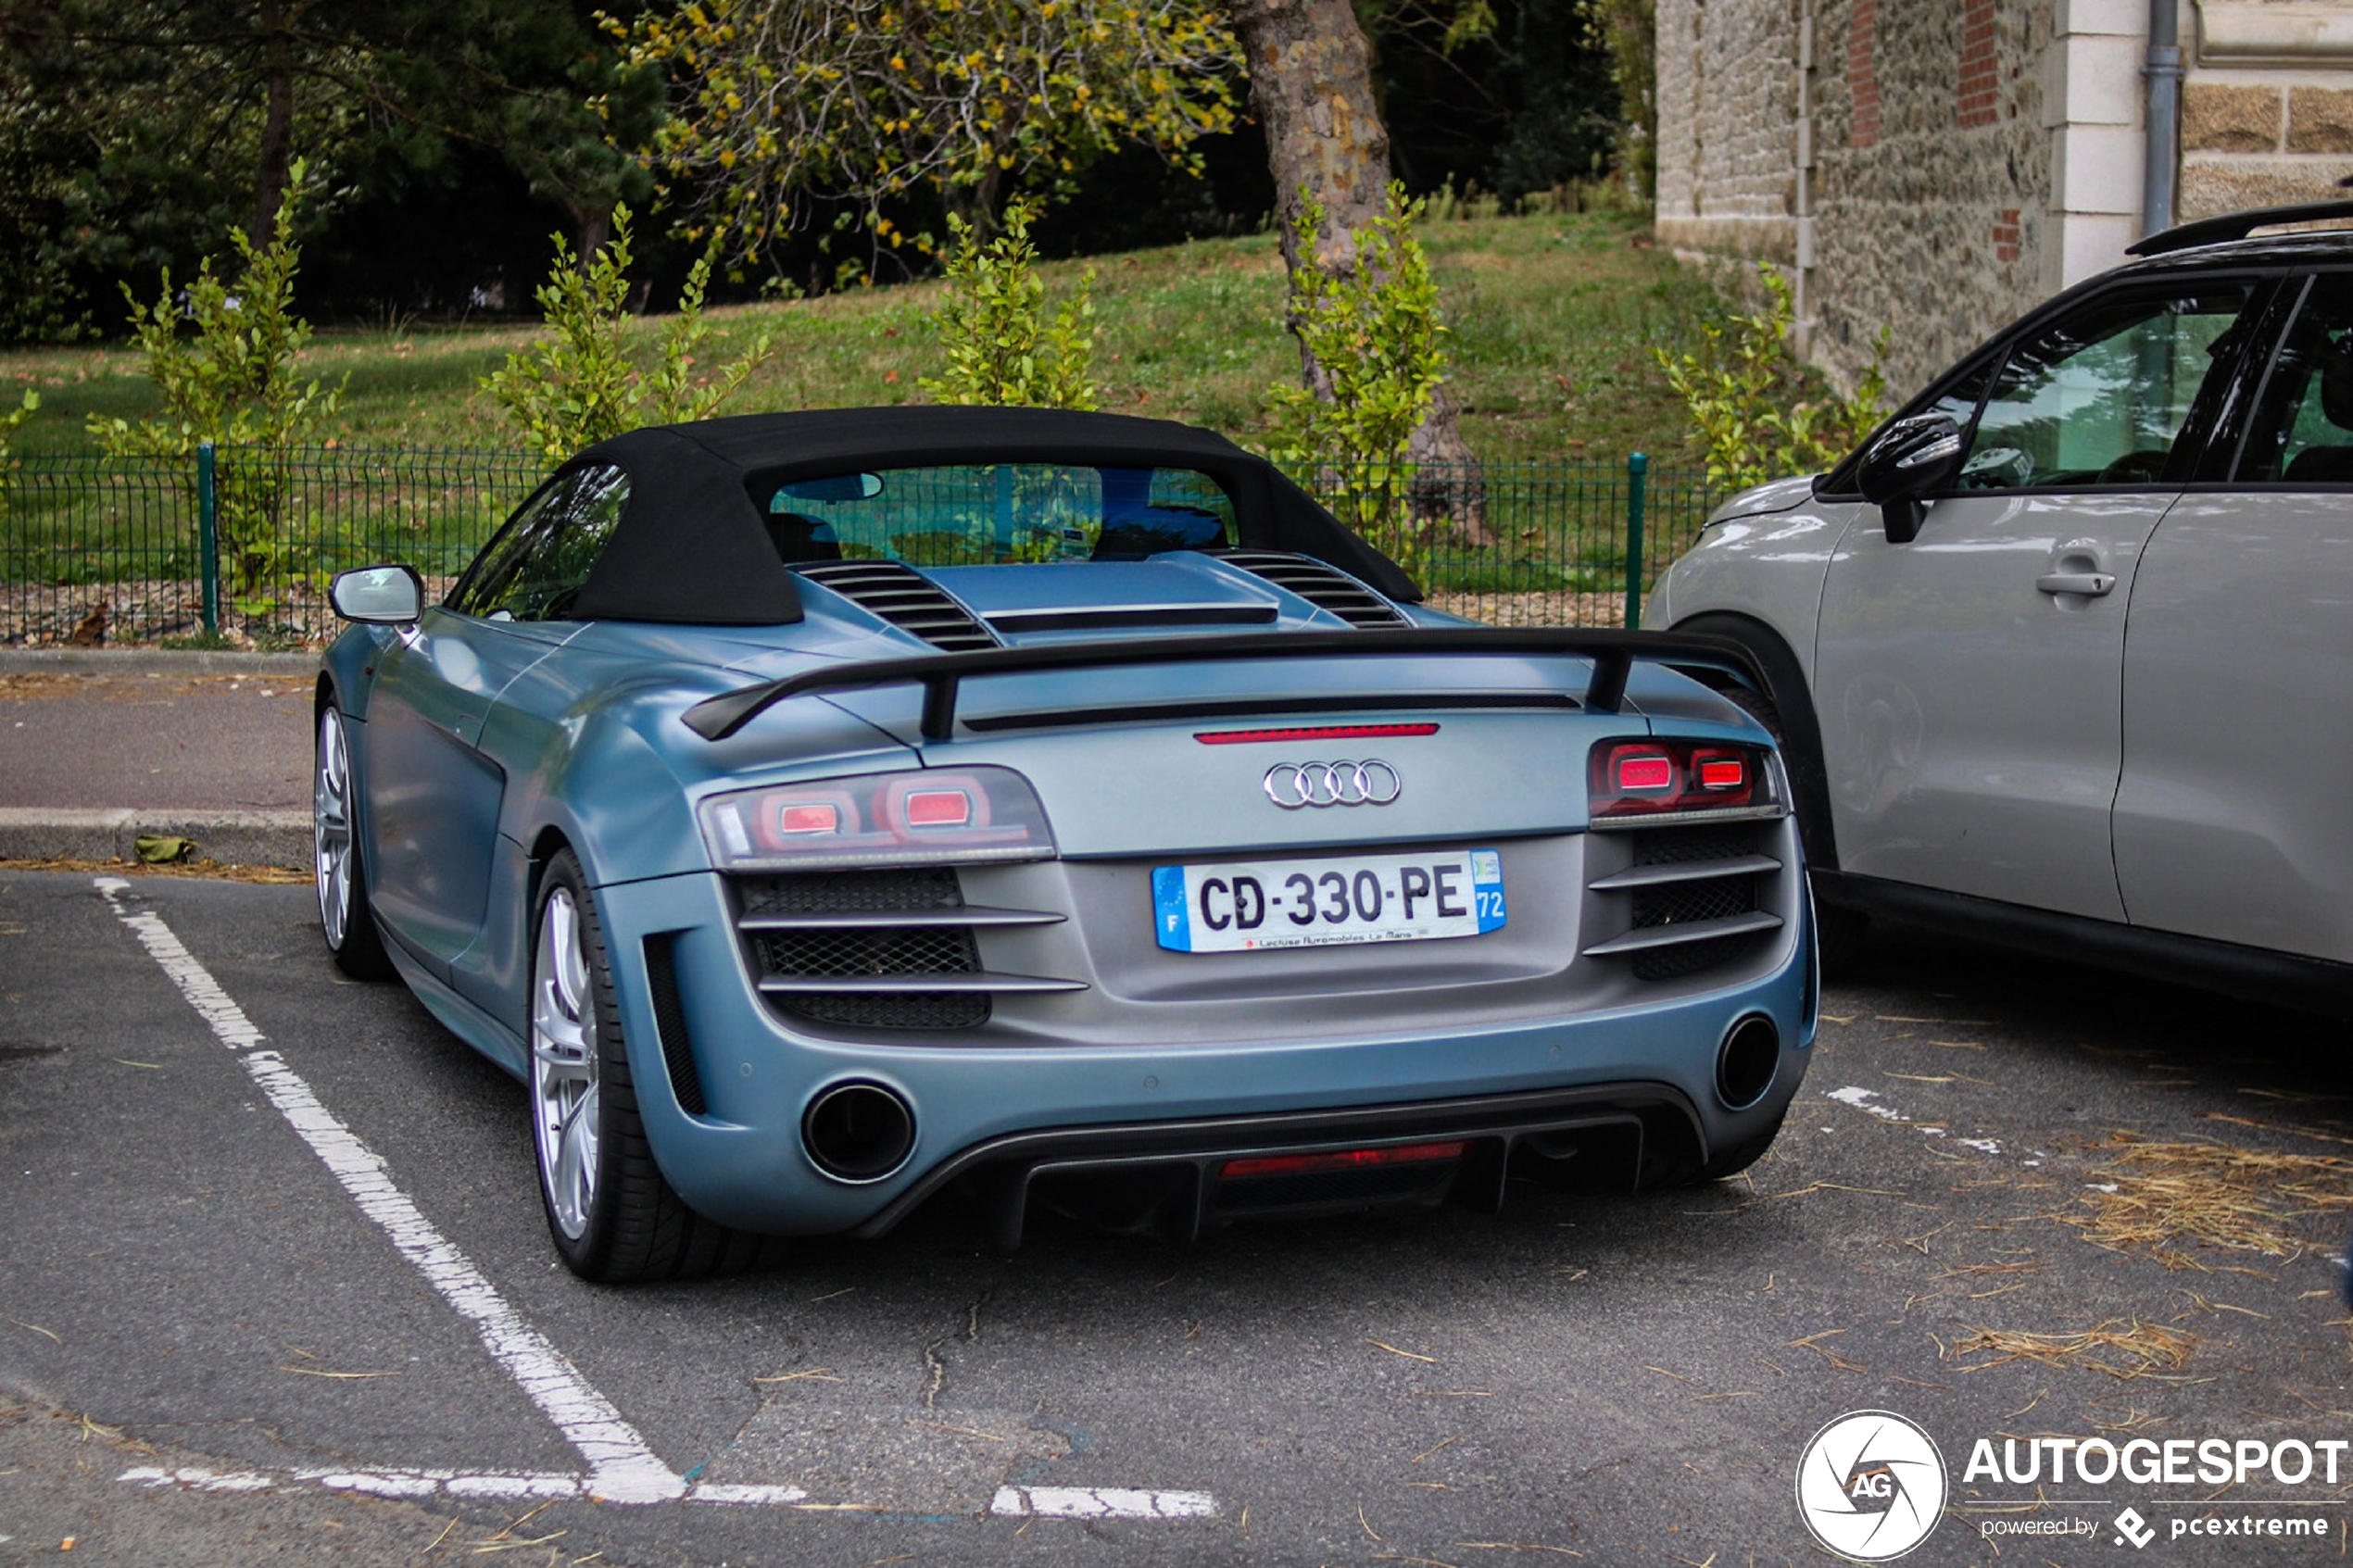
1293,784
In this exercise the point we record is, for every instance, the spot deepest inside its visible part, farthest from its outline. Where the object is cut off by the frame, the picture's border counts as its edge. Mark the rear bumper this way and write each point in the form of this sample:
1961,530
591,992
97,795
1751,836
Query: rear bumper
1015,1116
1168,1173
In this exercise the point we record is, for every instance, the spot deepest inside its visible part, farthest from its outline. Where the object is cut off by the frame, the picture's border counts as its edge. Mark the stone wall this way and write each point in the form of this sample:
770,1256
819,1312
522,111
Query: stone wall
1934,221
1926,172
2267,113
1727,104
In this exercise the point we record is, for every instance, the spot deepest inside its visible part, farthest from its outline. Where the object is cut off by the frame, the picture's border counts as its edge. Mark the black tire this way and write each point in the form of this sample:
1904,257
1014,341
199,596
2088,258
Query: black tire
1741,1156
1843,933
631,1226
345,922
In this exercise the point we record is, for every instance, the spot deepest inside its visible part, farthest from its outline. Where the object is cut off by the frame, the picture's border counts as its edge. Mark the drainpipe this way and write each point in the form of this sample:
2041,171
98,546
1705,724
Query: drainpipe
2163,74
1801,311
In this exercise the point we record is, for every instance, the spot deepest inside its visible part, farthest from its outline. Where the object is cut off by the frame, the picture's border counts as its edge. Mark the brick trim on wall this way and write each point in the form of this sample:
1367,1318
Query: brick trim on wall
1979,78
1862,71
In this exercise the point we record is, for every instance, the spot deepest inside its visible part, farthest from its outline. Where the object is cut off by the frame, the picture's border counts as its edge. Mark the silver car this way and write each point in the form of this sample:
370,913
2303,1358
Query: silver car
2063,656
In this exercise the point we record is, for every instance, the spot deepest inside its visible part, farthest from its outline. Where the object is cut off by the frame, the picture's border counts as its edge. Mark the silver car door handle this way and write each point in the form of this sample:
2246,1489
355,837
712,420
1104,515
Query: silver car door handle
2091,584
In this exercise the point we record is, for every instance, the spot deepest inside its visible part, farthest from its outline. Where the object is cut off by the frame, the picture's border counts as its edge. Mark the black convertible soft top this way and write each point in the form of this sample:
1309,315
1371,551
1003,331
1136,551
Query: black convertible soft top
692,544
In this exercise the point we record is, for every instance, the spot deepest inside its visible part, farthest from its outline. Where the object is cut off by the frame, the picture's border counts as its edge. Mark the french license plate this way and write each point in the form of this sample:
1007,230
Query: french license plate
1327,903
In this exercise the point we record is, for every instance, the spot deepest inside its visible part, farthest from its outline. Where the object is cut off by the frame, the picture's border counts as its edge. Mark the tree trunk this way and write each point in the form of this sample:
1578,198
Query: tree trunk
1311,86
277,119
591,227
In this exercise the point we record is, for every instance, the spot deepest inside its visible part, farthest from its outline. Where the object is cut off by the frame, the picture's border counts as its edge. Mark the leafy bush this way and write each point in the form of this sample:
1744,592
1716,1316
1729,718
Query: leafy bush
1744,391
231,380
13,421
1370,335
580,384
1000,349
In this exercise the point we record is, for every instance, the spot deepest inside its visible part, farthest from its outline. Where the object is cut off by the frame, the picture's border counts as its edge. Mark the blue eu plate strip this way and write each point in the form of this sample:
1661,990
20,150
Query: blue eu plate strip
1171,907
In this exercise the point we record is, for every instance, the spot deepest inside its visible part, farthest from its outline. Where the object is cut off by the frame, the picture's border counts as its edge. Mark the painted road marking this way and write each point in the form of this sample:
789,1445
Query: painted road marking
1861,1099
1099,1502
385,1481
620,1467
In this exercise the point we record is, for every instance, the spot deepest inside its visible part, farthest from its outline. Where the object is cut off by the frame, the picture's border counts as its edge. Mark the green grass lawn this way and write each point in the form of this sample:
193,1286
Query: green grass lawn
1551,317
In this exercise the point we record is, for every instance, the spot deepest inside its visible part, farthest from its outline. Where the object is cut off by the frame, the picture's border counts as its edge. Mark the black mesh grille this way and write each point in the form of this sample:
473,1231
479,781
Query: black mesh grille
894,1010
1677,847
1678,903
1682,903
876,950
1689,957
826,893
670,1025
881,952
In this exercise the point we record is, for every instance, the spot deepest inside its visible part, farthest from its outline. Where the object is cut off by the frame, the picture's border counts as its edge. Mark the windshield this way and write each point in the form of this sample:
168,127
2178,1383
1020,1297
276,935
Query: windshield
999,514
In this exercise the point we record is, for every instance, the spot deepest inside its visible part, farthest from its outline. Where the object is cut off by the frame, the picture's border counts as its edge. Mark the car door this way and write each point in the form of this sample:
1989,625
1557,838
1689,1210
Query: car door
1967,681
2231,816
432,796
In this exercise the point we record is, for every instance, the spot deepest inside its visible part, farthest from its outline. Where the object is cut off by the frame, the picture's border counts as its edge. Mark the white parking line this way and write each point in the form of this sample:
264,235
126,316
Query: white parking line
386,1482
620,1467
1099,1502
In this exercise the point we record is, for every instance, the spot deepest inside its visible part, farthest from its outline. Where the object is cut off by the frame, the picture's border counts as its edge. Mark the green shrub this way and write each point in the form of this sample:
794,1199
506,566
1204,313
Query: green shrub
1000,349
580,384
230,380
10,422
1743,391
1371,335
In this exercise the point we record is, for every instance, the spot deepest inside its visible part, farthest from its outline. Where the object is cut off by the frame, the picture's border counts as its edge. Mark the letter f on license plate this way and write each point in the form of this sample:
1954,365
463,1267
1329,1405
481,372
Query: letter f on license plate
1260,905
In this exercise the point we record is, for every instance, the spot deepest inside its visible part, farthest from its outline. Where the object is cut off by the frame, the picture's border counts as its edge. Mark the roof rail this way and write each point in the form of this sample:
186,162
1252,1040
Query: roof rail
2237,226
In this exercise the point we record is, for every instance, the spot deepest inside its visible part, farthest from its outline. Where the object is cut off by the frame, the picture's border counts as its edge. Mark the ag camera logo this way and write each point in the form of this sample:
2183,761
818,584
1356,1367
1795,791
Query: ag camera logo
1870,1485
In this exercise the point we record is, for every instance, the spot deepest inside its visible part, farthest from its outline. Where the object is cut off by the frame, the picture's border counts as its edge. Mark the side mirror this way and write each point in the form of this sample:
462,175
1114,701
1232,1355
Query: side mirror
383,595
1910,458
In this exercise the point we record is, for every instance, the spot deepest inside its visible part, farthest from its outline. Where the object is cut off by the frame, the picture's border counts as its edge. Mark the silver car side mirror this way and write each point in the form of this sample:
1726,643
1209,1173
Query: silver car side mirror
1908,459
381,596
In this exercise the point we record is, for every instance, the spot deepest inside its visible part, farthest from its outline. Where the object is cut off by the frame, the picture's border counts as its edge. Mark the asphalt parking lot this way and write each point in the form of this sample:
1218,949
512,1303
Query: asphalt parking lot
222,1340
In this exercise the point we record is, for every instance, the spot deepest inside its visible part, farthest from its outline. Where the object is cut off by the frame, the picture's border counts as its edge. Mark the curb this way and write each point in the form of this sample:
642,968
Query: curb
234,838
150,662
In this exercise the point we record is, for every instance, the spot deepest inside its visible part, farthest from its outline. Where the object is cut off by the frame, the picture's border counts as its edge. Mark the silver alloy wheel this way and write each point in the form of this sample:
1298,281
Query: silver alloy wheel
331,828
564,1066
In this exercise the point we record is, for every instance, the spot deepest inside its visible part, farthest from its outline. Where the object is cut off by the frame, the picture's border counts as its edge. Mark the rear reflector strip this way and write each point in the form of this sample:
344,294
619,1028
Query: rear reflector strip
1313,731
1345,1159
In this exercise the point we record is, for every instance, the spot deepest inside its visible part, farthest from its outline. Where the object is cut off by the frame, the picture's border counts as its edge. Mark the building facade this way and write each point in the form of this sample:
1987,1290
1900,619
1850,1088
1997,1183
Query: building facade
1937,167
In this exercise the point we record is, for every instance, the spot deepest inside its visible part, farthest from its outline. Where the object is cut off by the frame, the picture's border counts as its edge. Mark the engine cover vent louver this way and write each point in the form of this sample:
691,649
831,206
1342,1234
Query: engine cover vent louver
906,599
1326,587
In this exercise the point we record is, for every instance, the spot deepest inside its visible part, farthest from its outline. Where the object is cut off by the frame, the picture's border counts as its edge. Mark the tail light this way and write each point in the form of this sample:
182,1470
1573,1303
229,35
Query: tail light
922,816
1646,778
1340,1159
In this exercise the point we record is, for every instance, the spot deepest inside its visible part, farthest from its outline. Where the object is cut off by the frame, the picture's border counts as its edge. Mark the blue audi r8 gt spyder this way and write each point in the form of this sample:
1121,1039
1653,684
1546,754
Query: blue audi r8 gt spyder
824,811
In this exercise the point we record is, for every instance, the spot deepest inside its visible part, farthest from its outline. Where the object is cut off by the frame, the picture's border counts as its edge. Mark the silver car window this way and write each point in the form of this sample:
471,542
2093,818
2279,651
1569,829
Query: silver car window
2099,398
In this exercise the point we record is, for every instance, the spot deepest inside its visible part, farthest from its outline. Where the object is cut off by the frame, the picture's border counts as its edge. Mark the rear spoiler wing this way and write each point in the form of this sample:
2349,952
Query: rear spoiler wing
941,675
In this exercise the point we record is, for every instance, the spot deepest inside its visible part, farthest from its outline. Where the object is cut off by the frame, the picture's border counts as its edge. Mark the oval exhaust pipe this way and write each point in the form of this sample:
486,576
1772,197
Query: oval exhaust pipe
1747,1060
858,1132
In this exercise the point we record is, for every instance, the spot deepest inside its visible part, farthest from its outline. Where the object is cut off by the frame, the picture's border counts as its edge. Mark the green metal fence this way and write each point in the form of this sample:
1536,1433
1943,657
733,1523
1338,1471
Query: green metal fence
242,544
